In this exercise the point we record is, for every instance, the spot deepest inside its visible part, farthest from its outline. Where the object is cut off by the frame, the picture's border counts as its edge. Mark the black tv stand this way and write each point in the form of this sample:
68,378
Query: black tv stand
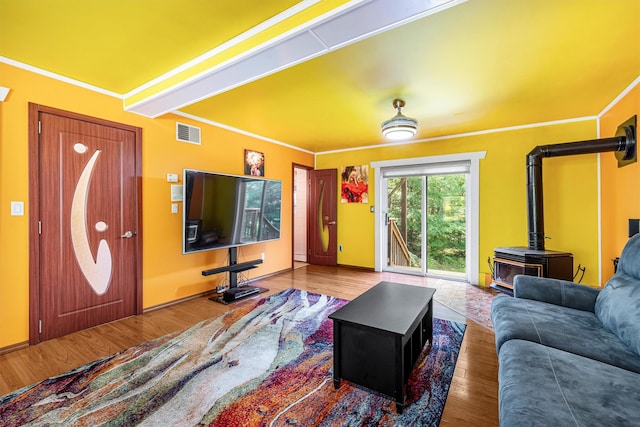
236,292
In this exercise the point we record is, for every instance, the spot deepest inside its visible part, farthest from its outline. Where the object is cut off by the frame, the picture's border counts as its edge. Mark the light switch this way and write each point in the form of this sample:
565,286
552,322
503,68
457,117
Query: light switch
17,208
174,208
176,192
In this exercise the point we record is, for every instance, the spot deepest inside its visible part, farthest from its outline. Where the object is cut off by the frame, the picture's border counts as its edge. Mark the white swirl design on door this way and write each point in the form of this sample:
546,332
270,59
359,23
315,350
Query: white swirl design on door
98,271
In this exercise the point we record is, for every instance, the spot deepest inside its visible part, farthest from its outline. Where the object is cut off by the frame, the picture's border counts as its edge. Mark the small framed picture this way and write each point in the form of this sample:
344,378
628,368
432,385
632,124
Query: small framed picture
253,163
355,184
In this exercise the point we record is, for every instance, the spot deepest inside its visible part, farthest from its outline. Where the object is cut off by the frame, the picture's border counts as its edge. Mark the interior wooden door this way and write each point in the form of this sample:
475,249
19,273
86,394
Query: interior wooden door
323,232
88,235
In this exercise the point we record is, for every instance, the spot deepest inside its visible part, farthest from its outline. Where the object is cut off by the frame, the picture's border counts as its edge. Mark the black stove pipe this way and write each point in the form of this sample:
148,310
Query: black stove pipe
623,142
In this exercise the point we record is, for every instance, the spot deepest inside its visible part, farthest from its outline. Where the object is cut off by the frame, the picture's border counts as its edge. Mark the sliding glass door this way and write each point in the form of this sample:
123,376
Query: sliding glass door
405,224
446,219
425,219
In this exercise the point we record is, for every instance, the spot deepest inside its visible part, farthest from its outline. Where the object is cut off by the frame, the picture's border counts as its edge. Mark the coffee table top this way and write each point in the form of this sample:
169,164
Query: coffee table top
391,307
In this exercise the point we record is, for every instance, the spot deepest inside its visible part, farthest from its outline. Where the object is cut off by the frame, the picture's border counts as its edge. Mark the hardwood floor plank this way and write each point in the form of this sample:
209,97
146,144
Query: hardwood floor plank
473,395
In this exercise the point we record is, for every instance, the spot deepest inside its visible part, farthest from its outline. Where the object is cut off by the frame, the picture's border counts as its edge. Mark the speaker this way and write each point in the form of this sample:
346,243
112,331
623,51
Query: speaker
634,227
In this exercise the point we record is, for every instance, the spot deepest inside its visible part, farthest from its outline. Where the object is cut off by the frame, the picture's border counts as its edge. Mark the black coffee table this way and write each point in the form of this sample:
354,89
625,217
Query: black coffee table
378,337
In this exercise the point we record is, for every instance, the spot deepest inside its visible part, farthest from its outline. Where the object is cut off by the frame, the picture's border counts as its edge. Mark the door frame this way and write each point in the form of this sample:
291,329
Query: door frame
34,207
473,208
295,166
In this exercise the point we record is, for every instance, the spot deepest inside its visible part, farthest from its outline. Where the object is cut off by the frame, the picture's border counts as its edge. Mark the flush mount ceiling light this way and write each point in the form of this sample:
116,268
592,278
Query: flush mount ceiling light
400,126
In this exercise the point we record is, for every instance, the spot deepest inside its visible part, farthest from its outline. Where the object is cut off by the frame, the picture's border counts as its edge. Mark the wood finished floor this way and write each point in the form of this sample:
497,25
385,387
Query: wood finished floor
472,399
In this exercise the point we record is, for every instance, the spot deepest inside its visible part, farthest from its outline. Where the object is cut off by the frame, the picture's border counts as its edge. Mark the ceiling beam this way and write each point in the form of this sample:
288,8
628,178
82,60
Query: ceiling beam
341,26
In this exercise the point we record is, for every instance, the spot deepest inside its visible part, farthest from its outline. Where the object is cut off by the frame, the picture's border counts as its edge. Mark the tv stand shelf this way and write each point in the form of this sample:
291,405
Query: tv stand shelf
233,268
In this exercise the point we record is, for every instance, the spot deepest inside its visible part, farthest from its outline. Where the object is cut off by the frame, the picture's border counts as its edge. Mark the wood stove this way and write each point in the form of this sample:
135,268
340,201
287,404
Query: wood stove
535,260
513,260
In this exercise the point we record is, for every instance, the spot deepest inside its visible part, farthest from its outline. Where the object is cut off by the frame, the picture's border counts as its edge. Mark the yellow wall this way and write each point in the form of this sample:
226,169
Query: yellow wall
571,205
620,186
167,274
570,193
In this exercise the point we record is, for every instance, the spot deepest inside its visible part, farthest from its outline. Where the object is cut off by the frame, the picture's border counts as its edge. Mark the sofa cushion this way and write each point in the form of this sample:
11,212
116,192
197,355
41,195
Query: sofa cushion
575,331
618,308
543,386
629,263
555,291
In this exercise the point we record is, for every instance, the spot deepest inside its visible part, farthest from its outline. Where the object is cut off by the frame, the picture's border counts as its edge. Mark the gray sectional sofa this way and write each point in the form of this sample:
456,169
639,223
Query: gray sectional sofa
569,354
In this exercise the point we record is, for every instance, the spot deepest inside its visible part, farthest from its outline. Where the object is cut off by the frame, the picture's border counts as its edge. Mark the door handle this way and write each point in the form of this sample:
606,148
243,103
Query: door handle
331,223
127,235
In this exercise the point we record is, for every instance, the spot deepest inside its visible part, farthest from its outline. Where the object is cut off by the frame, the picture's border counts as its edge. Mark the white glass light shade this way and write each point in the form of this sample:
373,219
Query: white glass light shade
400,126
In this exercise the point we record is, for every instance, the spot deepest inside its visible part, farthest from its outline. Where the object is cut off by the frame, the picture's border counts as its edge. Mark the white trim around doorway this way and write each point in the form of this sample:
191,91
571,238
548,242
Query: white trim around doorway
473,205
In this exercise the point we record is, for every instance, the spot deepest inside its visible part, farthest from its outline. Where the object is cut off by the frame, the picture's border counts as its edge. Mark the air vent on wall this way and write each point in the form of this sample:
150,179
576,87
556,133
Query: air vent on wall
187,133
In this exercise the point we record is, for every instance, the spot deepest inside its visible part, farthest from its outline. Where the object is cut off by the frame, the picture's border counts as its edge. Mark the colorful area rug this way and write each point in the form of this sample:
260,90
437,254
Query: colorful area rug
265,363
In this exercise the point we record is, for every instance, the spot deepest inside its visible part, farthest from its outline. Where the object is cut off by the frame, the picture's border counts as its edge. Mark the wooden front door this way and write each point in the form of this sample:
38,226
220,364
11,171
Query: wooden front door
86,266
323,233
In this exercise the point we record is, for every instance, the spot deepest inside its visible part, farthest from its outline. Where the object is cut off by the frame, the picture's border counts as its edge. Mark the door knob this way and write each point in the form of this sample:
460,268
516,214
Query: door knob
127,235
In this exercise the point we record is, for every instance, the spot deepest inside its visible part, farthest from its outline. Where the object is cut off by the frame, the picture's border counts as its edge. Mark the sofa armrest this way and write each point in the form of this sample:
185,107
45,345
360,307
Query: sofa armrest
555,291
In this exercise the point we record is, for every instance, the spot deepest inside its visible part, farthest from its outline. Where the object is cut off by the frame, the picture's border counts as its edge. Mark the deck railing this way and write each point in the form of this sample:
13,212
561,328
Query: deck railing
398,252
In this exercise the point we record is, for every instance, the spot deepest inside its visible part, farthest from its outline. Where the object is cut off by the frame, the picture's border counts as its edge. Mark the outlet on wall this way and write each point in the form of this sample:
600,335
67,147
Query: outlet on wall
17,208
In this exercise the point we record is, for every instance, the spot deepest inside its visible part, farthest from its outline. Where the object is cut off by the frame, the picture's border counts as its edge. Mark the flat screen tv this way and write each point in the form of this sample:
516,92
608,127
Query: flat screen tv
223,211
